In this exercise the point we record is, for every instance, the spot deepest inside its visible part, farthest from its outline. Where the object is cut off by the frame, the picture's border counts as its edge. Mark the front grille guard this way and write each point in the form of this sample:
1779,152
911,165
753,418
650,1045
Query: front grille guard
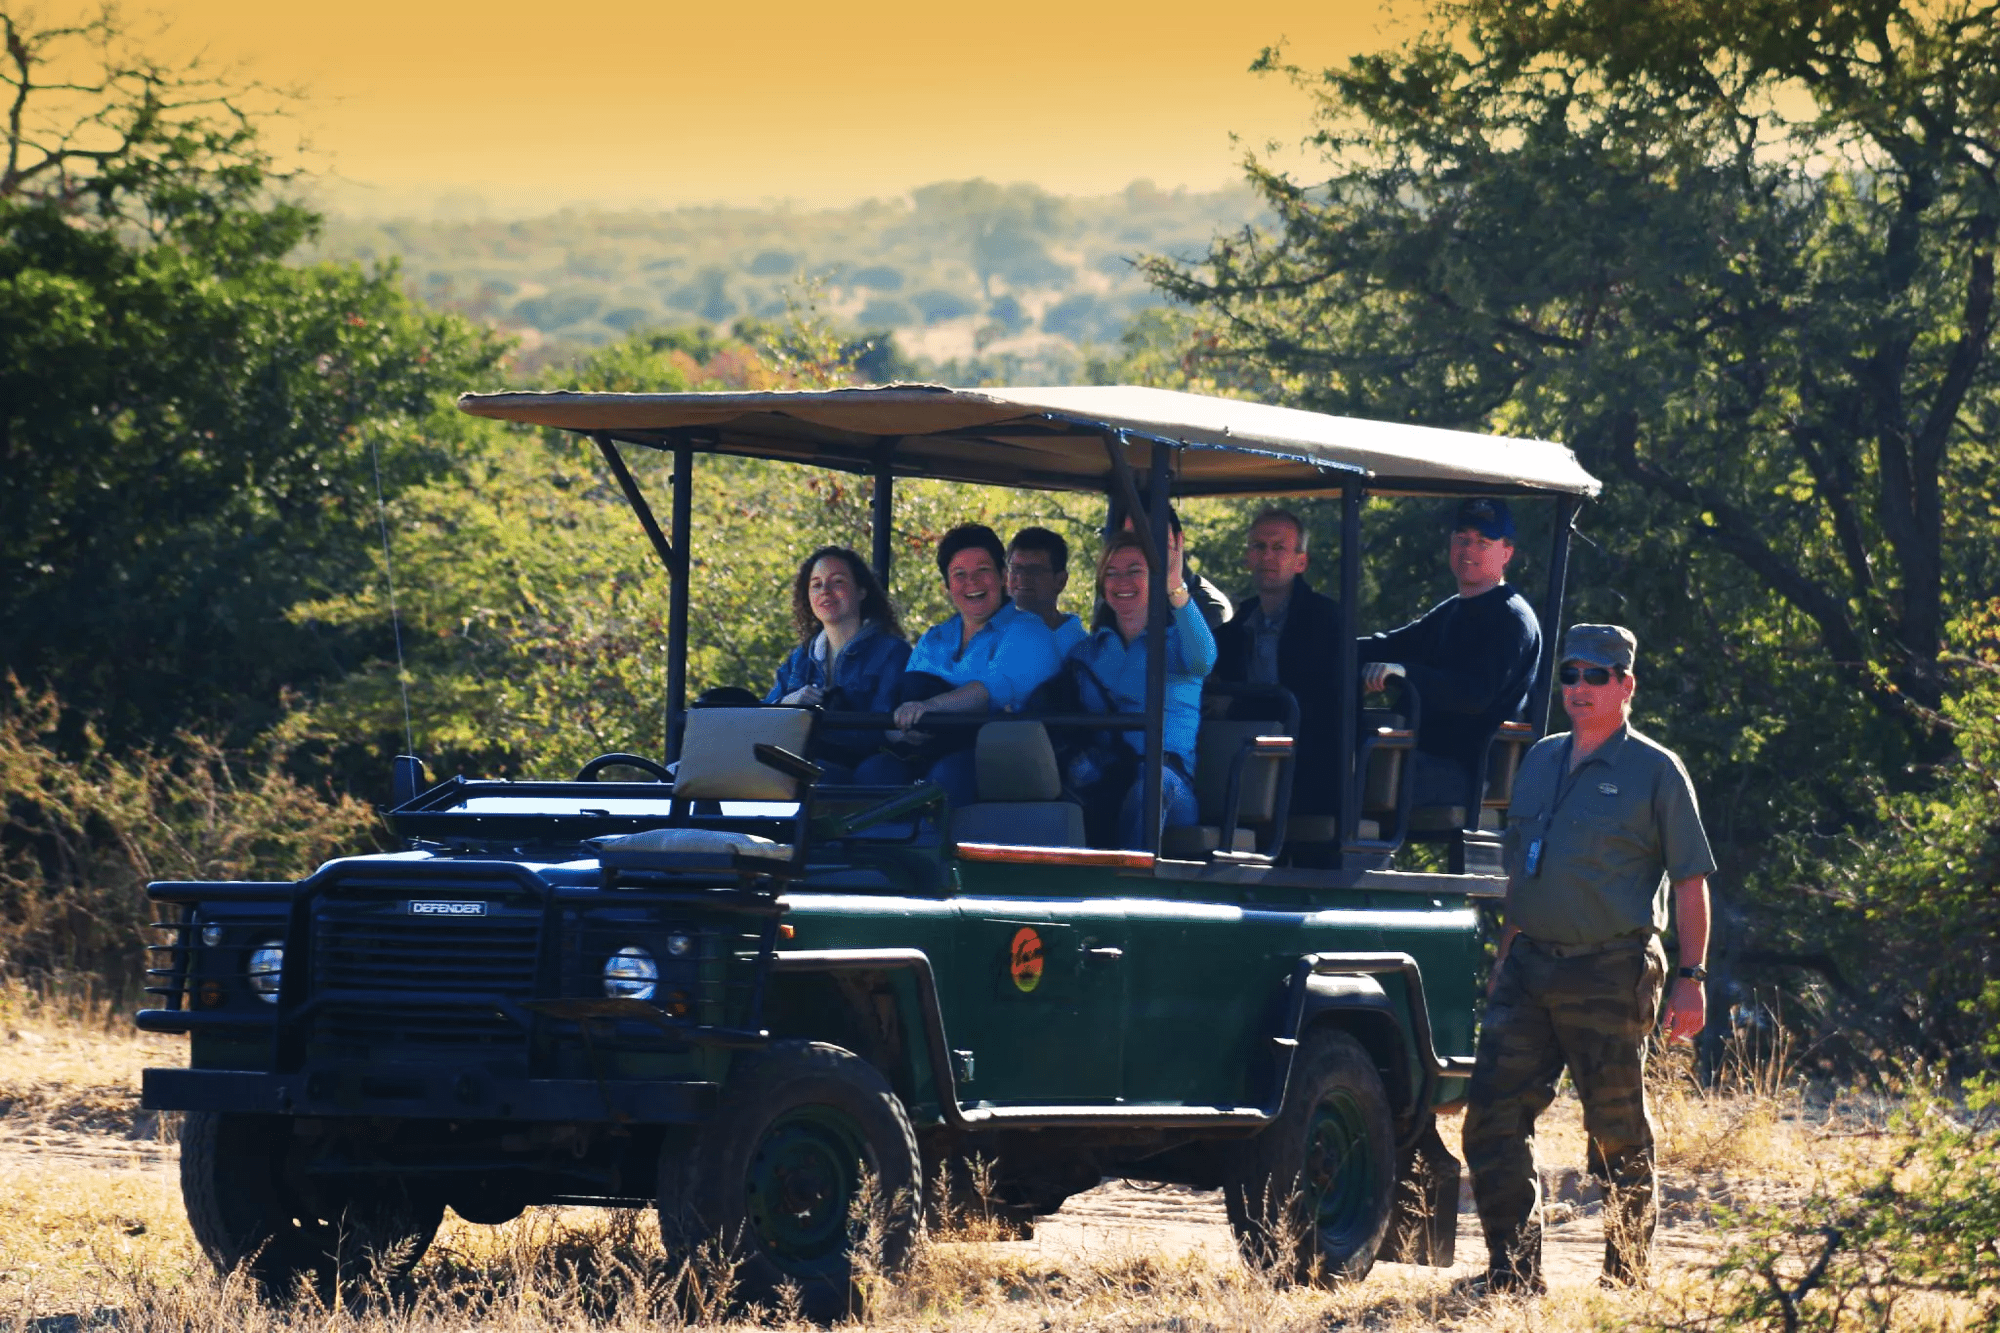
297,1003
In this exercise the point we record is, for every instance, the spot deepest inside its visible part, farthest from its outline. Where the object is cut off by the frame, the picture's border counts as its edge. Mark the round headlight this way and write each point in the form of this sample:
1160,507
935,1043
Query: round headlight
211,935
680,946
267,967
630,974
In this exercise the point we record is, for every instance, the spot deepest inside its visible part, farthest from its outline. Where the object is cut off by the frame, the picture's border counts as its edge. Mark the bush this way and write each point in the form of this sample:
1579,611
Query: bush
1915,1240
81,834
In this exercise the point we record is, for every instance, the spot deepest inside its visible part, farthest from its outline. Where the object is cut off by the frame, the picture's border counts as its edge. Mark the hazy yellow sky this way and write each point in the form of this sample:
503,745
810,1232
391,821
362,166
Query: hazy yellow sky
620,101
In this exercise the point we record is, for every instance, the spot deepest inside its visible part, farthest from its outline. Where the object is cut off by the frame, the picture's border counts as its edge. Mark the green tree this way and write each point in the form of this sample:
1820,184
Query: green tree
1741,257
535,611
187,423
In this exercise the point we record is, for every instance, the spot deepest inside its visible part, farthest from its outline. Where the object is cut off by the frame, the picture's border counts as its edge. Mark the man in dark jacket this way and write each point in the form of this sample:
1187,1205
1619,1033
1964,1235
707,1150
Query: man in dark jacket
1287,634
1472,657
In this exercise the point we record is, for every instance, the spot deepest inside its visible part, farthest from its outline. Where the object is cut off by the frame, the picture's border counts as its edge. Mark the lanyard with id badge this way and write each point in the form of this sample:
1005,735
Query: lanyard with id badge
1532,863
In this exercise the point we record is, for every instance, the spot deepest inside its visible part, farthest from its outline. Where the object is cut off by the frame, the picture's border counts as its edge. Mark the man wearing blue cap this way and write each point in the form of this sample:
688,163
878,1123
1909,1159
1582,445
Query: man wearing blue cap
1472,657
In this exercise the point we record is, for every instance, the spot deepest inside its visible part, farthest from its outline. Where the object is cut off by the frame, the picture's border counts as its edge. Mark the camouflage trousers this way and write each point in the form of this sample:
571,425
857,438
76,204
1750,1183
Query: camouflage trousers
1591,1012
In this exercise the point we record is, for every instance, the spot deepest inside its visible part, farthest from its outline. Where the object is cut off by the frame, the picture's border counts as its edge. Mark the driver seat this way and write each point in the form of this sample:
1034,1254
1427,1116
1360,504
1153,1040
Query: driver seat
729,754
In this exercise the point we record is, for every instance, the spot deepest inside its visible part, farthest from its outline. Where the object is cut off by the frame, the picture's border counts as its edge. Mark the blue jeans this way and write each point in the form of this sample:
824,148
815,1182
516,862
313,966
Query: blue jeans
958,774
1177,806
877,770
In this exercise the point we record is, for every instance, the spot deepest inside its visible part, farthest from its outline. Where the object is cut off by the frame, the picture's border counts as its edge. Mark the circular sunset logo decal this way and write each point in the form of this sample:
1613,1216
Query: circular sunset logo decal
1024,959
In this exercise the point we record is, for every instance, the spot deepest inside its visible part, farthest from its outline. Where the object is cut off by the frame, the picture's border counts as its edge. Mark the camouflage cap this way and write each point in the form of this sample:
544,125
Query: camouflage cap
1600,645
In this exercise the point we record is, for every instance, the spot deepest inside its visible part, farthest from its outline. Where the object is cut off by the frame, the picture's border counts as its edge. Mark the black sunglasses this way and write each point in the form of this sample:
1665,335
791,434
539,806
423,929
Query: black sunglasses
1570,675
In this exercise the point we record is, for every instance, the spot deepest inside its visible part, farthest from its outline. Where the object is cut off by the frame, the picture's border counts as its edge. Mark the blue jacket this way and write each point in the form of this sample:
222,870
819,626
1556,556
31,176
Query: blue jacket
1010,655
1120,669
866,674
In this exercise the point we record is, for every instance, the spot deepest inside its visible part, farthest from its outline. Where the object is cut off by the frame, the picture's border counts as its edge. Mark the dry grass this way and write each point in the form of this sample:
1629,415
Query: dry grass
92,1235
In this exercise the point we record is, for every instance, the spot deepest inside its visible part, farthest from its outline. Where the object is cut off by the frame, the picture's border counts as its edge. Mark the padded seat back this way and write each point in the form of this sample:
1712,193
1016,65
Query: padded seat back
1503,761
1020,791
1381,785
1216,749
719,753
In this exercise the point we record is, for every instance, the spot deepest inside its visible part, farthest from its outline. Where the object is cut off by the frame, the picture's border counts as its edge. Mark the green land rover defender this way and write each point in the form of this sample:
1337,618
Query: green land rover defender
717,985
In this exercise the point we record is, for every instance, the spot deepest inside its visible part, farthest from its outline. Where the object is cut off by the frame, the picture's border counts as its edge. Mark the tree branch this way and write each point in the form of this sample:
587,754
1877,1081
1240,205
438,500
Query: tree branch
1738,533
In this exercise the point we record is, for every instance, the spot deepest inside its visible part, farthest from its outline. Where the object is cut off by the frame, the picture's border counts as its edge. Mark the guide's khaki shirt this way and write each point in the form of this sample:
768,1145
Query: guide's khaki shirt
1614,834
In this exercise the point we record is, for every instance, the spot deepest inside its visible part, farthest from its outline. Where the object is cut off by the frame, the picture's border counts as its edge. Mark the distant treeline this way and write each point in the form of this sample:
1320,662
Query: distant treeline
968,277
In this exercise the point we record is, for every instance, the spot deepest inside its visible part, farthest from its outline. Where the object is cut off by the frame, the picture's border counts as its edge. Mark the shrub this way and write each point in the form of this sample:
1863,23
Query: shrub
82,833
1914,1239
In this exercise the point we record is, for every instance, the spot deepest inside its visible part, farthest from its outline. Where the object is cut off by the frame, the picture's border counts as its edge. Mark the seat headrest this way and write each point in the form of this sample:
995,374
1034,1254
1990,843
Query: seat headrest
718,753
1016,763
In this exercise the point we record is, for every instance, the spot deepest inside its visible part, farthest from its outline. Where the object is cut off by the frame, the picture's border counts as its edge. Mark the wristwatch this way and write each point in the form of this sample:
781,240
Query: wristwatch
1694,973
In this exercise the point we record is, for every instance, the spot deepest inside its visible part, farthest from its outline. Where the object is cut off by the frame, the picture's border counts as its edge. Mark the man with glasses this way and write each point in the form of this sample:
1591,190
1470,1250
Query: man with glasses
1037,573
1603,823
1285,633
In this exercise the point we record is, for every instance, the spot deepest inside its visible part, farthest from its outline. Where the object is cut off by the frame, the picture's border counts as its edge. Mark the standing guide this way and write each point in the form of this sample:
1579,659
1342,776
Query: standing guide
1603,819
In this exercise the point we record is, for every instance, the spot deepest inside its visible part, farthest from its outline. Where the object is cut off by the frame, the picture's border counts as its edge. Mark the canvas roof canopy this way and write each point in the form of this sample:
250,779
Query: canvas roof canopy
1053,438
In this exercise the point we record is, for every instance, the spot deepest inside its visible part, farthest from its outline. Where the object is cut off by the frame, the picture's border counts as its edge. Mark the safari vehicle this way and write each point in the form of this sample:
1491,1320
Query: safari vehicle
725,988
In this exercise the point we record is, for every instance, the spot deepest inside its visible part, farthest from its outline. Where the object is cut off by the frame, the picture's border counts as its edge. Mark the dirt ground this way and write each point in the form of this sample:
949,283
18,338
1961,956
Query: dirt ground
68,1103
91,1220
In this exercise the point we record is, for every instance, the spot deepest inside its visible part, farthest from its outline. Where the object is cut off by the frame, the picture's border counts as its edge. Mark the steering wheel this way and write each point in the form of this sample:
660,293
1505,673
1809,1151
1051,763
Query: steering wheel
619,759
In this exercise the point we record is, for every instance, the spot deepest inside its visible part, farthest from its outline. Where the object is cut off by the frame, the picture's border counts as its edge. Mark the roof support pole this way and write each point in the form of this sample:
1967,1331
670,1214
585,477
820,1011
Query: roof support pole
1126,487
1567,507
1346,685
1152,525
637,499
677,613
882,502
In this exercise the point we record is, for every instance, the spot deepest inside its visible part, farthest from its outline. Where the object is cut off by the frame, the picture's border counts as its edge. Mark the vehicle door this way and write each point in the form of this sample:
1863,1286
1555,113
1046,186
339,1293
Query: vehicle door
1038,1000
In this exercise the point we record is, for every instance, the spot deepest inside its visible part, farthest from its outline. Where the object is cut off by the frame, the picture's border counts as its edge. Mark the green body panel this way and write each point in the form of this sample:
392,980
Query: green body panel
1145,991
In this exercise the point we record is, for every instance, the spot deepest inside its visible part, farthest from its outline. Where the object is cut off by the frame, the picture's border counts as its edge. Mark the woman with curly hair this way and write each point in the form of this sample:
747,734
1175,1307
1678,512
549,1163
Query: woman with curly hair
850,657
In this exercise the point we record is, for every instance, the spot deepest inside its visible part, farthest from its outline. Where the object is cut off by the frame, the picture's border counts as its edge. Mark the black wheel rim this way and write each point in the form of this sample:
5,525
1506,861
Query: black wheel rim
1338,1180
800,1187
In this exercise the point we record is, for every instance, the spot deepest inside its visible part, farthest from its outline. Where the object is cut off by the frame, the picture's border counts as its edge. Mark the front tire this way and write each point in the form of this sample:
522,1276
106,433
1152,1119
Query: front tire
1311,1195
248,1208
776,1171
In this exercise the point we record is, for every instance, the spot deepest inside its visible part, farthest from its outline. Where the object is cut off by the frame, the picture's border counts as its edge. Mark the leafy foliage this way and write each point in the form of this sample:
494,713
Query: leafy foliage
186,421
83,828
1865,1242
535,610
1741,258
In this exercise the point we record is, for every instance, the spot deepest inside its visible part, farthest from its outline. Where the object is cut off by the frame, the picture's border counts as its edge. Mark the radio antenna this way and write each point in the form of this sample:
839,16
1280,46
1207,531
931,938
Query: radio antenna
389,569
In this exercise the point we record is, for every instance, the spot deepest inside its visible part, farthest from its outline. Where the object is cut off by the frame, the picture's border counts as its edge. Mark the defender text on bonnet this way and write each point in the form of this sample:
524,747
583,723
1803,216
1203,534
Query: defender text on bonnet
732,989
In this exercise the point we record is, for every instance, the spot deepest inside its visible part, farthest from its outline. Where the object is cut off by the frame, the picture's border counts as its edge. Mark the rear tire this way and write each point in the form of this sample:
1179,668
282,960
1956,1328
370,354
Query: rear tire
248,1209
1310,1196
775,1172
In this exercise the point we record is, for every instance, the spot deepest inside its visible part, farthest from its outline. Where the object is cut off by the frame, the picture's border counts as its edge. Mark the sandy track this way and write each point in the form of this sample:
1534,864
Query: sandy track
1118,1219
1113,1221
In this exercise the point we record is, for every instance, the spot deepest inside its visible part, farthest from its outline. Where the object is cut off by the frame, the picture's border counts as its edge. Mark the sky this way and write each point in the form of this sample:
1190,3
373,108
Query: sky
509,106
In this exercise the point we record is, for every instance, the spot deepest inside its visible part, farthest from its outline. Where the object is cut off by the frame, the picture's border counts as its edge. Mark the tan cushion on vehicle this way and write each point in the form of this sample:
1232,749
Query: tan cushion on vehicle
1215,750
1445,818
1015,762
1326,828
719,759
670,842
1193,842
1020,823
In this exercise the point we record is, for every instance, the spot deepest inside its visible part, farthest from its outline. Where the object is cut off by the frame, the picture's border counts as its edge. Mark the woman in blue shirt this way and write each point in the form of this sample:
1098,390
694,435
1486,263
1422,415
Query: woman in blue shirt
850,657
1110,671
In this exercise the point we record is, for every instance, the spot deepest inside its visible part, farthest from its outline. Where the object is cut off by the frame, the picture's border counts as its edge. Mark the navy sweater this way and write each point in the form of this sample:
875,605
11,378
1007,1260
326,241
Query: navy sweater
1473,662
